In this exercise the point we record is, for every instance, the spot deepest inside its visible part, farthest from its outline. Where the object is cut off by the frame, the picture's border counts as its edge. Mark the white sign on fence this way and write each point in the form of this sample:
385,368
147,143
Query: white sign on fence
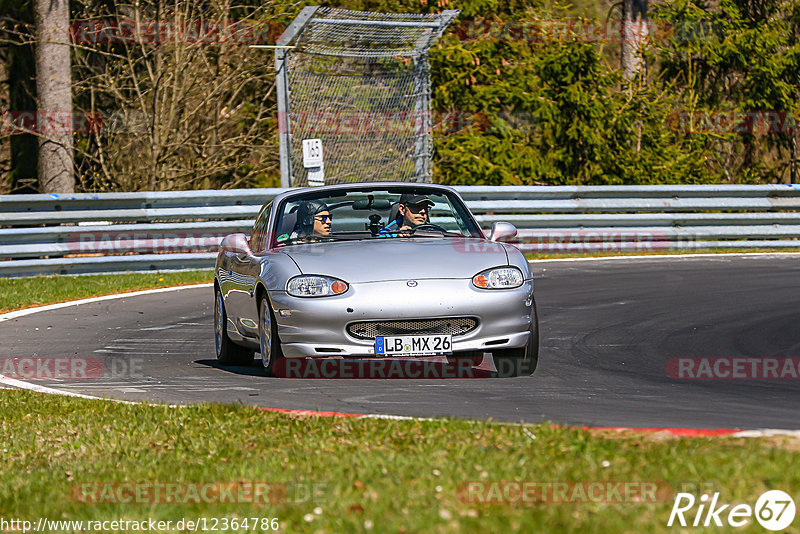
312,160
312,153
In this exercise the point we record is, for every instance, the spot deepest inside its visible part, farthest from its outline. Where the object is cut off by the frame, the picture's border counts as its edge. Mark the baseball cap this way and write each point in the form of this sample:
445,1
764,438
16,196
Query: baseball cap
413,198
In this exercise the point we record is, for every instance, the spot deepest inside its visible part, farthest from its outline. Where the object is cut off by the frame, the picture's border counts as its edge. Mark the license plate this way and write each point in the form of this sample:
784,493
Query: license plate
413,345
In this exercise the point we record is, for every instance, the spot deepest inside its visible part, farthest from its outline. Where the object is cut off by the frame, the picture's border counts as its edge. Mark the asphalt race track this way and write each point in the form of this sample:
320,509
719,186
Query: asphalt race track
608,330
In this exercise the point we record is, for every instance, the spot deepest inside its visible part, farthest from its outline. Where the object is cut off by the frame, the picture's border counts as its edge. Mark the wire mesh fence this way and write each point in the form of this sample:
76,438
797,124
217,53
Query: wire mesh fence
360,82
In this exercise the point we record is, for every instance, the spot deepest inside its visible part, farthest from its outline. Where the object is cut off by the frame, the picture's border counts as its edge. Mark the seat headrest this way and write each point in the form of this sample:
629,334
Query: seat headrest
288,223
394,211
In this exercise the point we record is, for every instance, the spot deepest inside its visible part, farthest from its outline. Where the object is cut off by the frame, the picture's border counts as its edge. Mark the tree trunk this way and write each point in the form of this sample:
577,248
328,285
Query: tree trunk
53,81
793,162
634,32
5,136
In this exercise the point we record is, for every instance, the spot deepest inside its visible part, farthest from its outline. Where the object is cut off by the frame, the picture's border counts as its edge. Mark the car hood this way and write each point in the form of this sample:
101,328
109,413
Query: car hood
373,260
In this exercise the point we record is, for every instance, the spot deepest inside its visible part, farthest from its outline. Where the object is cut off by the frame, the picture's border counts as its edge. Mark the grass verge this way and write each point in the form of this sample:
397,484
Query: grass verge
62,455
20,293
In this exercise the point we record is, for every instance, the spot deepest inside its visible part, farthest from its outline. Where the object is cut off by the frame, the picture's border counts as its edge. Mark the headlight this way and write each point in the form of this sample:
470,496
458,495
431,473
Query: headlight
315,286
498,278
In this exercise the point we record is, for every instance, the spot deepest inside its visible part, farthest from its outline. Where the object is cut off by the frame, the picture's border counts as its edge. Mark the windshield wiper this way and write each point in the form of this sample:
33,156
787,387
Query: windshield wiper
433,230
427,233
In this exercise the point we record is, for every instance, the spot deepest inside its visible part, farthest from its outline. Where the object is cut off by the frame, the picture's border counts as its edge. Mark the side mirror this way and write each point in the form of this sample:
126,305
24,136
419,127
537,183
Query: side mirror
502,230
236,244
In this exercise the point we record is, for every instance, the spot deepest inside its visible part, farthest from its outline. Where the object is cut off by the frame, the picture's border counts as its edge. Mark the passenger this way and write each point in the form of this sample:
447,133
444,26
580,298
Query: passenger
412,211
313,220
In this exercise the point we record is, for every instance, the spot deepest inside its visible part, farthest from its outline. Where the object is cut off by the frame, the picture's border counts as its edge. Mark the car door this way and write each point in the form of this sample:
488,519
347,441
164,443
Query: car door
243,274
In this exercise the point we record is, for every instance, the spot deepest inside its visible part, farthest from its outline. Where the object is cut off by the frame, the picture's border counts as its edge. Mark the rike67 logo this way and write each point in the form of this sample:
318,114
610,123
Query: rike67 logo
774,510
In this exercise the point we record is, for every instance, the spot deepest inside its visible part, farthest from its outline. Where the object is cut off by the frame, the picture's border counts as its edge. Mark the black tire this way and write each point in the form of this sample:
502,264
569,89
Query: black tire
228,352
270,345
523,360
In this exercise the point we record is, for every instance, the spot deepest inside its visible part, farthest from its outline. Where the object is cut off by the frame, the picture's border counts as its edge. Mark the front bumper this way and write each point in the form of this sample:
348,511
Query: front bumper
317,326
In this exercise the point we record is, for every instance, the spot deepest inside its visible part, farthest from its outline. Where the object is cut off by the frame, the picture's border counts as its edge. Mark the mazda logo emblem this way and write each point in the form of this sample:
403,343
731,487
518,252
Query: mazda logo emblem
411,283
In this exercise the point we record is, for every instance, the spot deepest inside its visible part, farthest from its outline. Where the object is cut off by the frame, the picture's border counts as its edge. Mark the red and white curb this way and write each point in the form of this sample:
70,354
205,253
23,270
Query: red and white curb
681,432
690,432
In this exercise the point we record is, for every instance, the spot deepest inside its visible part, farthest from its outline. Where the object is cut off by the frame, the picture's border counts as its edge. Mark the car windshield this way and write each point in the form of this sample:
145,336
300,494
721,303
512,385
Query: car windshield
381,213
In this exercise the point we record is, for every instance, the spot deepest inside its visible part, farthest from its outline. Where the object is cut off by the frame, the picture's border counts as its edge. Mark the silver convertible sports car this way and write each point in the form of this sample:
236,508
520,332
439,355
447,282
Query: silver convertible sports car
374,270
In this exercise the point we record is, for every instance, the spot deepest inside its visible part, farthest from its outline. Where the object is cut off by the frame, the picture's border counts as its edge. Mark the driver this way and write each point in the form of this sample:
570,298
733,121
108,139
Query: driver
313,220
413,210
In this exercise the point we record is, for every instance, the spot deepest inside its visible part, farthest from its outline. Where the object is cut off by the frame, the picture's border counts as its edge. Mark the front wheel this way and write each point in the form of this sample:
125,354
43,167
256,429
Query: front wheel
228,353
269,344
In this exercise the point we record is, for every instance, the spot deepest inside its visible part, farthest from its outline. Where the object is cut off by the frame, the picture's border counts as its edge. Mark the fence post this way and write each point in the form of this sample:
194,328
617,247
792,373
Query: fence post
282,82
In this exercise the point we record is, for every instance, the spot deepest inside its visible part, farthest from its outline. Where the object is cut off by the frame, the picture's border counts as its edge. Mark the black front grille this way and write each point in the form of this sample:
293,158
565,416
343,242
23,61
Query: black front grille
455,326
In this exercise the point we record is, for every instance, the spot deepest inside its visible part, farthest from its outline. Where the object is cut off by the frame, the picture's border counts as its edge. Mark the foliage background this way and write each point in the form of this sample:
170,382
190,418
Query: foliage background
550,110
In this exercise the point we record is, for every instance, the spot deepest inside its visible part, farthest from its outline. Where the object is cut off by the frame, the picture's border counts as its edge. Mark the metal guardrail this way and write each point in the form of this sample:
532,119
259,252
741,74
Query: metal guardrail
83,233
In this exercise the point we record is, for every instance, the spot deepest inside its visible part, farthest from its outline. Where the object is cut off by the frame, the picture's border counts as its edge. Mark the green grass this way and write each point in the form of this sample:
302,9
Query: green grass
16,293
397,476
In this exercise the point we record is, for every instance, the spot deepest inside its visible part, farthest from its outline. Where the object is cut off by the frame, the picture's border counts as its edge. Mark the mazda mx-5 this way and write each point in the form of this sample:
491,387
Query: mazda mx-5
374,270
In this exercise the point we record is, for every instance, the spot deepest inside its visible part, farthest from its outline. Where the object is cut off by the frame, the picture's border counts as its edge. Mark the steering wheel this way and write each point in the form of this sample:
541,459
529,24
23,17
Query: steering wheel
429,226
